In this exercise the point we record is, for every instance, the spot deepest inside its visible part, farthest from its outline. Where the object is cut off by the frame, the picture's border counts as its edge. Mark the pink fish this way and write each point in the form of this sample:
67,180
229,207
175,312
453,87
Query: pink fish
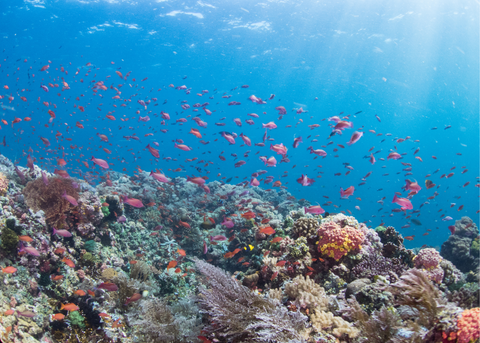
27,313
246,140
346,193
412,186
144,119
254,115
45,179
404,202
218,238
394,156
69,198
271,162
281,110
132,202
99,162
279,149
335,119
153,151
63,233
159,177
314,210
29,250
238,121
30,163
318,152
254,182
355,137
271,125
297,141
372,159
134,297
108,286
305,181
228,137
342,125
165,115
239,164
196,180
228,223
182,147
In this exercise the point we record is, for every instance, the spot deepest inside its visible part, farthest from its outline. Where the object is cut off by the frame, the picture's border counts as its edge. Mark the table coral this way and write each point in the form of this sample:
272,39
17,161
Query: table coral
336,241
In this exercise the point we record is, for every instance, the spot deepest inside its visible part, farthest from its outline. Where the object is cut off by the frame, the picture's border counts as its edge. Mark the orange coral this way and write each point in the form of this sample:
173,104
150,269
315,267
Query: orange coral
468,326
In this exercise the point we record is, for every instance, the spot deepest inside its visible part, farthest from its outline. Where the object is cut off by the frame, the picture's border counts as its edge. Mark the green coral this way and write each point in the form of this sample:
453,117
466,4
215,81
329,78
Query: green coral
106,211
9,241
300,248
288,222
76,319
380,229
475,247
90,246
87,259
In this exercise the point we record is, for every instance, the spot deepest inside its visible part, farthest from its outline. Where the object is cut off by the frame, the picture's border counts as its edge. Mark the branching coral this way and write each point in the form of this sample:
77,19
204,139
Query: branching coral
306,227
48,198
240,315
306,293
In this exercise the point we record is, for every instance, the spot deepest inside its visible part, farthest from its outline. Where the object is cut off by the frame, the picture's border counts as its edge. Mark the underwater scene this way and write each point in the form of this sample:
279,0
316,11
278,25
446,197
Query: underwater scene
239,171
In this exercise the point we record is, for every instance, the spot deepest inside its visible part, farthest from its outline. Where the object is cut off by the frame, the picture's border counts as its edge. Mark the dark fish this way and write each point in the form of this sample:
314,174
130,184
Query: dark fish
416,222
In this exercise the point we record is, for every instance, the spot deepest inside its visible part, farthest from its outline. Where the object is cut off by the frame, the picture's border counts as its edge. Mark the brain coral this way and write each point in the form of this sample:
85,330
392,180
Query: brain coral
337,241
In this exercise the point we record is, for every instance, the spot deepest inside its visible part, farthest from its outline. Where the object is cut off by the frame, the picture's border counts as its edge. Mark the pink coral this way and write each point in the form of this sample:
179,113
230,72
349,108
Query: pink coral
469,326
428,258
336,241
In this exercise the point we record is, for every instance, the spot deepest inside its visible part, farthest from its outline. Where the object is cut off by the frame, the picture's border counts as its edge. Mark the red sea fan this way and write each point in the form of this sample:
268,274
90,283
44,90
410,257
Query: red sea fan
48,198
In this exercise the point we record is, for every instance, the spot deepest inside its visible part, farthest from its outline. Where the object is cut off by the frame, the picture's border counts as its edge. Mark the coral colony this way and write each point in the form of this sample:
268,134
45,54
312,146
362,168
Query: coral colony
123,263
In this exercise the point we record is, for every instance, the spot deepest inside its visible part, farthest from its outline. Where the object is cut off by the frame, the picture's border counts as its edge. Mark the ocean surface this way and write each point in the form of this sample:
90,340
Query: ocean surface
404,73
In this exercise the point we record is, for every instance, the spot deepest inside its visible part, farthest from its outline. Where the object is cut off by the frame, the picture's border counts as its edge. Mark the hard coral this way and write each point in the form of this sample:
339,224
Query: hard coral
306,227
429,259
469,326
336,241
3,184
48,198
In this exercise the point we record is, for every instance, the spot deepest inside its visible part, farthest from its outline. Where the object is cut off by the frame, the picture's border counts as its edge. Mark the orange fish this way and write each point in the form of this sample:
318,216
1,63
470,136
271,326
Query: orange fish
172,264
57,316
104,315
240,259
9,270
27,239
267,230
9,312
265,221
68,262
59,251
80,293
409,238
178,270
56,277
281,263
248,215
91,293
69,307
276,240
181,252
116,324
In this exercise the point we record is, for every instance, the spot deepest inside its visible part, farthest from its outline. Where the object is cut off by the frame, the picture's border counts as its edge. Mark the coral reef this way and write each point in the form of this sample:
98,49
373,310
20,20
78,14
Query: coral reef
461,248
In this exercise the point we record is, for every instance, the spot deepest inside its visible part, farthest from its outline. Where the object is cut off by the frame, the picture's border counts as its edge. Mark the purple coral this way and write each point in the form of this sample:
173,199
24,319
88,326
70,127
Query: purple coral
429,259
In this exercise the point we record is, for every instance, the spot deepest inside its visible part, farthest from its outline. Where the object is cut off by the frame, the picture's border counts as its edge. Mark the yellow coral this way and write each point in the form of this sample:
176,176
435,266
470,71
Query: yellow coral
3,184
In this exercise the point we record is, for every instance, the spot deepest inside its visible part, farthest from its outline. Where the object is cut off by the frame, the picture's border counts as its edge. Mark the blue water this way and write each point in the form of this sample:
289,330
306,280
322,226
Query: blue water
414,64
